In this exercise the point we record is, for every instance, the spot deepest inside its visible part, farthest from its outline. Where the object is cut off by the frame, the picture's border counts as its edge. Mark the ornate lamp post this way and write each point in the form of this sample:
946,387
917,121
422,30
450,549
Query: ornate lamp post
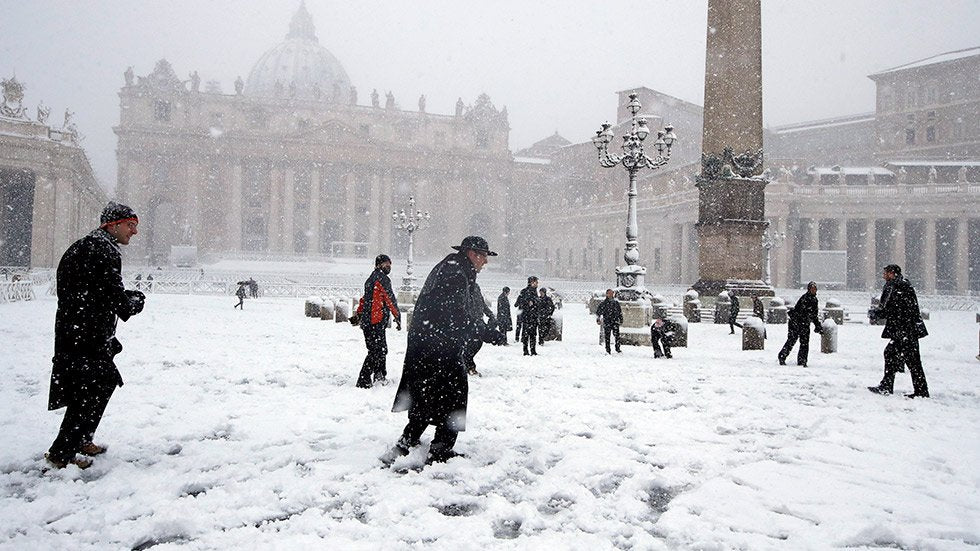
629,278
410,222
770,240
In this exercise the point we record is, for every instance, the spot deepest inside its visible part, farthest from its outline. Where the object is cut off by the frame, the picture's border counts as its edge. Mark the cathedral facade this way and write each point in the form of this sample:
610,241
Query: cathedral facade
294,164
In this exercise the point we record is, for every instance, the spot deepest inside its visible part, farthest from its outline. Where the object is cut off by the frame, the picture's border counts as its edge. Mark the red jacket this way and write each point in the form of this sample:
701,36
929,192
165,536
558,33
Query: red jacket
380,300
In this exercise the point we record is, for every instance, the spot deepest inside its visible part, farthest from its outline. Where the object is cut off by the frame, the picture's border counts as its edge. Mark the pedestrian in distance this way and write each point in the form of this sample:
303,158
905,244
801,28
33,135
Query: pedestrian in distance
91,297
434,386
899,306
661,332
800,317
374,313
240,293
527,303
609,314
504,323
733,313
546,309
759,311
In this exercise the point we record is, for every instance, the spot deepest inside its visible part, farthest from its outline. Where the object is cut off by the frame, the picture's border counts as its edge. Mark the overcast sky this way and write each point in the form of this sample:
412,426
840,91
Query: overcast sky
555,64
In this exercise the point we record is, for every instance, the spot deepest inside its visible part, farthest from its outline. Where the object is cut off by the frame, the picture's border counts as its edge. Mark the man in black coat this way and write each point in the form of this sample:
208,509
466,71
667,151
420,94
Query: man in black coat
374,311
733,312
446,324
800,317
546,309
504,323
661,330
91,297
610,315
527,303
491,324
899,306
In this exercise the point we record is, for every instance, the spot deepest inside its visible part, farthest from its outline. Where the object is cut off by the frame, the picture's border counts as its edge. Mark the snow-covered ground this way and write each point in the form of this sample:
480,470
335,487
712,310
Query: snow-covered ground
243,429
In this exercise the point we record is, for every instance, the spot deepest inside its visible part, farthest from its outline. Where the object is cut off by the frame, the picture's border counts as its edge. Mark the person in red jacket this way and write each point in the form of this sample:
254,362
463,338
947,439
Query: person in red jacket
374,312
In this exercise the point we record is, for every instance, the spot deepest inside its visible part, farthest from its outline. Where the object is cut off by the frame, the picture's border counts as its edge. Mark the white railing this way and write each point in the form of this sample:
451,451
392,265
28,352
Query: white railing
11,291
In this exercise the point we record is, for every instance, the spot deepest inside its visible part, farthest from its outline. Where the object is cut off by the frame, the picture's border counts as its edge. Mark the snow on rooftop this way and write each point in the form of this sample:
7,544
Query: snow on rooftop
941,58
532,160
831,123
933,163
851,170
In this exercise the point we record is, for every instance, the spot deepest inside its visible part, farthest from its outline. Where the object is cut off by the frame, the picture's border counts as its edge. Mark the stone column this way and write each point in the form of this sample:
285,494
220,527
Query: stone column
870,254
376,219
232,177
685,252
841,240
929,257
288,210
813,234
315,218
898,239
350,196
962,255
274,219
731,210
386,189
43,252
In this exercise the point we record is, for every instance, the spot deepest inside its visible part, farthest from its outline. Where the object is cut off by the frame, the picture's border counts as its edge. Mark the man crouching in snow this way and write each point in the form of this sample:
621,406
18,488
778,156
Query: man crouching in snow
90,298
446,323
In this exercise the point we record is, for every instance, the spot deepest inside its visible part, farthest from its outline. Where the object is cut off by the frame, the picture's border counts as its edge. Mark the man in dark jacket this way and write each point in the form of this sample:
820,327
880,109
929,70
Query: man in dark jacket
446,323
903,327
374,311
733,312
661,330
504,323
90,298
481,310
800,317
610,315
527,303
546,309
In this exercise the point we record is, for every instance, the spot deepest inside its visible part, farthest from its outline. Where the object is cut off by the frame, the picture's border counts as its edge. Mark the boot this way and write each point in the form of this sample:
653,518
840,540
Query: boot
78,462
92,449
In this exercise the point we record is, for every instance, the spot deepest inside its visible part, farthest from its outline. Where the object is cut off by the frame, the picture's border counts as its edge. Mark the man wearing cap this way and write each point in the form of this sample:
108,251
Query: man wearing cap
91,297
800,317
527,304
446,323
375,309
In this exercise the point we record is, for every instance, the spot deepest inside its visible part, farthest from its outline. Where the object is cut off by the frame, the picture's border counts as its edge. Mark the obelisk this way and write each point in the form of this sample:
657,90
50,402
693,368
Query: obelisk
731,209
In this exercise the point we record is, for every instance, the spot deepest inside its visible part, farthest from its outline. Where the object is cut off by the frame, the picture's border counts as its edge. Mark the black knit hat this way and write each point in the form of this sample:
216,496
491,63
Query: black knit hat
381,259
114,213
894,268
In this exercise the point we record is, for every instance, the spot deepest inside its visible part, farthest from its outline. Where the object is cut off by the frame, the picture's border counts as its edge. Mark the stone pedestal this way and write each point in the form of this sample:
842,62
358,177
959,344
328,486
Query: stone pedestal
777,311
327,309
828,336
679,339
635,329
723,308
692,306
833,310
753,334
342,311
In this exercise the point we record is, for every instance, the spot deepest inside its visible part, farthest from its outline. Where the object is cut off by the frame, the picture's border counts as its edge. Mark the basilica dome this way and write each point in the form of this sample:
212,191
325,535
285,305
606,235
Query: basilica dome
299,67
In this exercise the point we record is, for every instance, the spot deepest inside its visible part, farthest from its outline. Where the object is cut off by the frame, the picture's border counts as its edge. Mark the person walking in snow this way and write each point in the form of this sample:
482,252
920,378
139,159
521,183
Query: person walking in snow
91,297
434,387
504,323
800,317
609,314
376,307
527,303
899,306
733,312
240,293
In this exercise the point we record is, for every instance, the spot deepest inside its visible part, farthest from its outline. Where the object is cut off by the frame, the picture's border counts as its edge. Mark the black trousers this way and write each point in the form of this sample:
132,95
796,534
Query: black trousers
544,326
801,334
375,364
899,352
659,339
732,324
517,328
443,441
606,330
90,395
530,334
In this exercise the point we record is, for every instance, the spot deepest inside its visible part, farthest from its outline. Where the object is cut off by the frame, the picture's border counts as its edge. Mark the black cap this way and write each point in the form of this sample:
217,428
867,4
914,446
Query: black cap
532,278
116,212
894,268
475,243
381,259
506,289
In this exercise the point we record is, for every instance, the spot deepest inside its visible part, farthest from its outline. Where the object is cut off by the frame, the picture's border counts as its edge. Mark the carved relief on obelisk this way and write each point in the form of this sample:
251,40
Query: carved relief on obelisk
731,211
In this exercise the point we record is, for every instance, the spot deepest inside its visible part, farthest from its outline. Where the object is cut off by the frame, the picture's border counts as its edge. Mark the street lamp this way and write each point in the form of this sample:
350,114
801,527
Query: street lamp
410,222
770,240
629,278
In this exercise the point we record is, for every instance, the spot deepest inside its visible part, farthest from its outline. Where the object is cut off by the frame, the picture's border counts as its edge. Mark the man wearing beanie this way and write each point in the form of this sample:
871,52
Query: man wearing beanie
90,298
375,309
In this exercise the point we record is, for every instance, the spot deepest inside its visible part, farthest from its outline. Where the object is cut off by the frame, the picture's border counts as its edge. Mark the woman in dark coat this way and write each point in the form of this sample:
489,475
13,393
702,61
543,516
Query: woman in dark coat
445,325
504,324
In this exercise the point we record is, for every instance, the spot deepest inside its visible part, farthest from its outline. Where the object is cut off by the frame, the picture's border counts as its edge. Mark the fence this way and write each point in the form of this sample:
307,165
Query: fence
11,291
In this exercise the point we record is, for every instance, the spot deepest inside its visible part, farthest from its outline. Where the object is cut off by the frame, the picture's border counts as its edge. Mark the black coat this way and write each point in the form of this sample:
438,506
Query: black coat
504,322
805,312
527,303
758,309
377,276
610,311
900,308
735,306
546,309
446,324
90,298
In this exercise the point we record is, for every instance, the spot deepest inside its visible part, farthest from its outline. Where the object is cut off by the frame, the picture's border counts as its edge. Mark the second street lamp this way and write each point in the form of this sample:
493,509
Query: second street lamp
410,222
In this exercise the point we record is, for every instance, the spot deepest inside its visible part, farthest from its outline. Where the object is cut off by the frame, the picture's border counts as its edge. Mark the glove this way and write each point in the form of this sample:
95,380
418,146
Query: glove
355,319
137,299
398,325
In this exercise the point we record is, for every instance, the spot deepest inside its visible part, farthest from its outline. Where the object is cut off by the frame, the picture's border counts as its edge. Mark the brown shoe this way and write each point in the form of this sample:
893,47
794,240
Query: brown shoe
92,449
78,462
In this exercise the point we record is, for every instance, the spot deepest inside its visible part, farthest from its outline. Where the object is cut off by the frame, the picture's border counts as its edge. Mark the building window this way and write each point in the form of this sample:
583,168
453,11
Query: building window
482,138
161,110
931,134
910,136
